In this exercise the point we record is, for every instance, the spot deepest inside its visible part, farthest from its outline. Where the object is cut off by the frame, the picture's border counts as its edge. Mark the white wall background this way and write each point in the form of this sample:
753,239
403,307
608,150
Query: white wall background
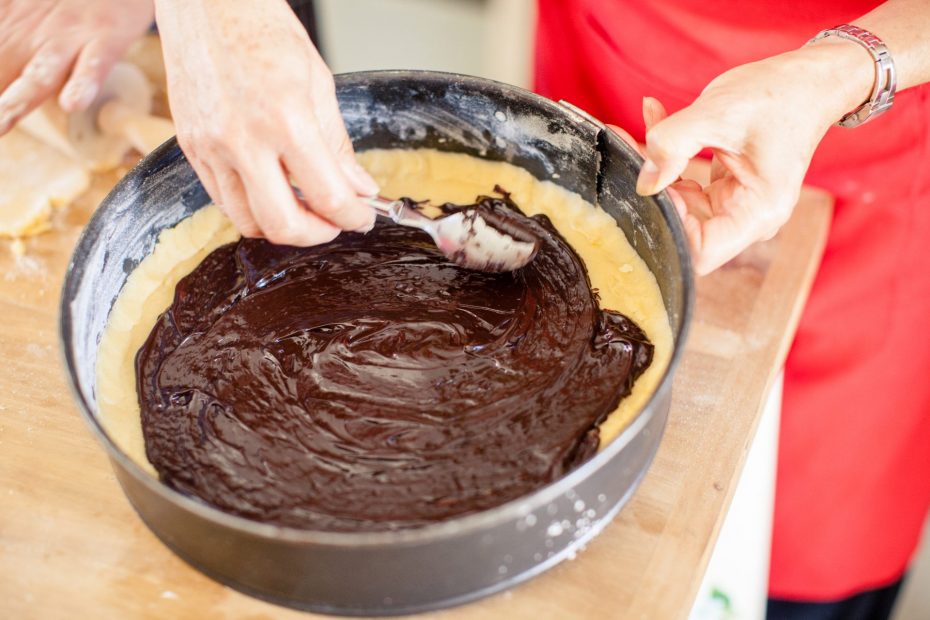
914,601
489,38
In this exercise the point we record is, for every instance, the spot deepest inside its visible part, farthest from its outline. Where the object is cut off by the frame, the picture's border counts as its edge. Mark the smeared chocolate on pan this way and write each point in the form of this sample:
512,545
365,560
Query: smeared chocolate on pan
371,384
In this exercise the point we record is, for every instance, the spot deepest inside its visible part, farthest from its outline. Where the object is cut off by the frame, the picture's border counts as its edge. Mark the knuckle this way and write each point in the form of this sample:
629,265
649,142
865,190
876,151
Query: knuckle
258,122
282,232
307,233
318,233
188,131
242,221
346,210
779,211
769,226
216,132
203,140
344,147
185,137
42,71
106,20
250,231
56,52
190,144
281,237
703,266
299,124
660,143
237,149
325,236
331,203
221,126
324,83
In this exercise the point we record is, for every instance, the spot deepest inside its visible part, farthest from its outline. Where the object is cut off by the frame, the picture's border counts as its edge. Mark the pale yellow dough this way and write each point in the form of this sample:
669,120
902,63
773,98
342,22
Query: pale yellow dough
616,270
148,292
34,177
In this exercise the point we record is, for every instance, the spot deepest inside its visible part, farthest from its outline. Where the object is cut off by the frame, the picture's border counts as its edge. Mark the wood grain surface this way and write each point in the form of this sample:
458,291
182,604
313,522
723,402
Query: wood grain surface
72,547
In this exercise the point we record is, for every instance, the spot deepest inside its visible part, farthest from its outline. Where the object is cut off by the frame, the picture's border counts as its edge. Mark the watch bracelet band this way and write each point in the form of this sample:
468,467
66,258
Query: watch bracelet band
882,96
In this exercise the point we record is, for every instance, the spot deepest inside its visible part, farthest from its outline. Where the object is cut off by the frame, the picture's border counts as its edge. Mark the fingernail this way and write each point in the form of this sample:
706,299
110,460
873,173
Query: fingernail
648,178
362,181
78,94
647,112
13,103
369,223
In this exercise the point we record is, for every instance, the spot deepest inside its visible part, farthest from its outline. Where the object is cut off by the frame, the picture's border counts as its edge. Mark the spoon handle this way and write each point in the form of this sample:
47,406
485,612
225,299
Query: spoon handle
395,210
400,213
383,206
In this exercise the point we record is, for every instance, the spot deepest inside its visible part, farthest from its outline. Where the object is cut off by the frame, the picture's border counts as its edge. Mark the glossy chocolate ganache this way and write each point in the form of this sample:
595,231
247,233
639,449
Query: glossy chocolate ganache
371,384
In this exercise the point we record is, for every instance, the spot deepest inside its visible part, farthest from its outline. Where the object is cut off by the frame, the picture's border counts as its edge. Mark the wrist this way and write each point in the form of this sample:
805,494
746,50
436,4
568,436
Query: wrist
842,74
182,23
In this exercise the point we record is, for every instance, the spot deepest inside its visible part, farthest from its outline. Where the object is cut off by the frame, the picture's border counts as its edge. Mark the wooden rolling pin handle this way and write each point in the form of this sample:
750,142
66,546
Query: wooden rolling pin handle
143,131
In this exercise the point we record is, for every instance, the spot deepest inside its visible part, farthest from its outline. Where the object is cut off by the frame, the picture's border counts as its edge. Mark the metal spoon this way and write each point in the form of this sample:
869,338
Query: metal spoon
466,237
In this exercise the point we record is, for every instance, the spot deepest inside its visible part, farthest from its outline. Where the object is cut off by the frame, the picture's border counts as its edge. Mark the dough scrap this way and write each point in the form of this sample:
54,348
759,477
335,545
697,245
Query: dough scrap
41,169
34,177
622,278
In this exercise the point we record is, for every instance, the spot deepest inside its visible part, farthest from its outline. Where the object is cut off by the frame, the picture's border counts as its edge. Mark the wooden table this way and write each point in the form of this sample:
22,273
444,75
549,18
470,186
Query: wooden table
72,547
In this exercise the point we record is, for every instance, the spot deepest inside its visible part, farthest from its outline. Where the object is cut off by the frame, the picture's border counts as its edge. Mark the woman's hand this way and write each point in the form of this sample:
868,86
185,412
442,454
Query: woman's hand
47,44
762,122
255,108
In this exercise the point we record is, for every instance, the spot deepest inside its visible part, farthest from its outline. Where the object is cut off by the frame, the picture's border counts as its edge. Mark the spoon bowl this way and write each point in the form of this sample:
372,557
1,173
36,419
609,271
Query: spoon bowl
470,238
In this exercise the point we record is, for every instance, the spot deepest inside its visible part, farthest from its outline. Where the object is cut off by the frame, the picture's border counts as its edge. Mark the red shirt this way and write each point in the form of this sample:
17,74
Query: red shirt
853,482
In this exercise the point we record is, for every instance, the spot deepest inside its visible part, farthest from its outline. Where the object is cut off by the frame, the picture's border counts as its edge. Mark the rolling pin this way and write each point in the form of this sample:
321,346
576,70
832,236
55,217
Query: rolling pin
144,132
117,121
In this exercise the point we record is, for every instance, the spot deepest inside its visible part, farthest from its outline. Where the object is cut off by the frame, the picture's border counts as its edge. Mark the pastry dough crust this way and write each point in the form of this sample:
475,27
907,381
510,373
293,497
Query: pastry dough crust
622,278
34,177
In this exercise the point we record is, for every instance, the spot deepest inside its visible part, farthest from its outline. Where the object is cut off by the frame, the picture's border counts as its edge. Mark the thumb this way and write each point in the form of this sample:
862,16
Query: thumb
653,112
670,144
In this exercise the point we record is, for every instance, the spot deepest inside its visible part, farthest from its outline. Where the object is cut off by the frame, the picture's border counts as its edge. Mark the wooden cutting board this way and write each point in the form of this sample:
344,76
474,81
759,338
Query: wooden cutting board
72,547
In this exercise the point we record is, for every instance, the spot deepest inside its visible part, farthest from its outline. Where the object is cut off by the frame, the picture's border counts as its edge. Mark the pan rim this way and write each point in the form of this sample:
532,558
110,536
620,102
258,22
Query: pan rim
448,528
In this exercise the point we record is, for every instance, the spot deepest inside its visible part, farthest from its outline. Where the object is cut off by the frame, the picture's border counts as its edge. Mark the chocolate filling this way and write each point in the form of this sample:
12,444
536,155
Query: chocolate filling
371,384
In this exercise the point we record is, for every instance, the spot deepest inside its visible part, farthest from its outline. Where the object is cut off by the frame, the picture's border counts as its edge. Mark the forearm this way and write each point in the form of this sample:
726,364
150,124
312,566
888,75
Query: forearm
904,26
186,15
179,20
846,71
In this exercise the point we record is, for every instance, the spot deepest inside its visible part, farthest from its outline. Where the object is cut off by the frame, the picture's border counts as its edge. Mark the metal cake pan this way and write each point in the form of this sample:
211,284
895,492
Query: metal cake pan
450,562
